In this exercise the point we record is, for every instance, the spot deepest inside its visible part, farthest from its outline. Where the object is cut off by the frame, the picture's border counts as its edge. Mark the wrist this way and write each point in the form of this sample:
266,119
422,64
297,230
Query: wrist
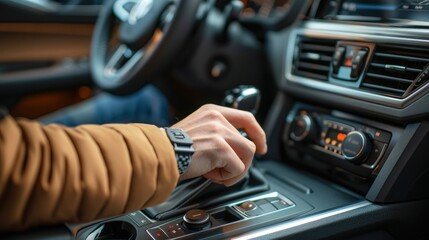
182,145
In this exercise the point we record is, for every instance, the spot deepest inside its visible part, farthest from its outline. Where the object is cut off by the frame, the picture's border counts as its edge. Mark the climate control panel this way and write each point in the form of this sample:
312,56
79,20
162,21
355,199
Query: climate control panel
344,143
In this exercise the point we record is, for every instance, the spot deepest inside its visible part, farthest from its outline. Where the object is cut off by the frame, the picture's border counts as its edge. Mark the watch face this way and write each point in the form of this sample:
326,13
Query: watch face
178,136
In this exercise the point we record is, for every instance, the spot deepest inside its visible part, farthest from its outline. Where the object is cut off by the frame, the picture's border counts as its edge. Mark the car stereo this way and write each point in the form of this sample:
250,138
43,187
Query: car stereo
352,146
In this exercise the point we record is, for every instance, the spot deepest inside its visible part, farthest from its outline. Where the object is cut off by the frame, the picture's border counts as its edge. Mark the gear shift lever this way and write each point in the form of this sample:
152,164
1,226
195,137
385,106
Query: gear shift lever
243,97
200,192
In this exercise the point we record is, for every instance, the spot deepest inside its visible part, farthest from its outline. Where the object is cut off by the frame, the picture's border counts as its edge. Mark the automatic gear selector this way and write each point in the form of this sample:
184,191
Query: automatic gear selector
202,191
243,97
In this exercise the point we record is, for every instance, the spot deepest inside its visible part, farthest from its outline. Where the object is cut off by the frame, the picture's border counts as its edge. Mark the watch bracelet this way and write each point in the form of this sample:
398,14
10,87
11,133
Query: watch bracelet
183,152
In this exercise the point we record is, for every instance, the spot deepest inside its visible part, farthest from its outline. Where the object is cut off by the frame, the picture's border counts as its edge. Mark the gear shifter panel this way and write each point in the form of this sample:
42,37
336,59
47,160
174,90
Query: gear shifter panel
243,97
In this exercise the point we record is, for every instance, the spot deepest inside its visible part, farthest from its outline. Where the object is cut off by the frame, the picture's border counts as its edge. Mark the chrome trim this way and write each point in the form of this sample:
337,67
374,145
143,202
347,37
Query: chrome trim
359,33
395,67
120,11
361,150
41,5
245,217
139,11
264,232
308,123
49,6
111,71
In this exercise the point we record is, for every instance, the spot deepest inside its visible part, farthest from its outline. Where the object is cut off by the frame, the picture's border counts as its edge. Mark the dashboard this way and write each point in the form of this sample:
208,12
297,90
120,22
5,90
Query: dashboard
385,10
347,130
376,11
265,8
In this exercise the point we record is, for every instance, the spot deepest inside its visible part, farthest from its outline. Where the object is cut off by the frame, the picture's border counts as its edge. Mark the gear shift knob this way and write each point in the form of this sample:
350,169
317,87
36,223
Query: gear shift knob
243,97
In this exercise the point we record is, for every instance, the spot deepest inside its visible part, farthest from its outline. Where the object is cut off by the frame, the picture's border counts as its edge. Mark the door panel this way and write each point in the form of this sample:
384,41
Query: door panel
44,56
26,42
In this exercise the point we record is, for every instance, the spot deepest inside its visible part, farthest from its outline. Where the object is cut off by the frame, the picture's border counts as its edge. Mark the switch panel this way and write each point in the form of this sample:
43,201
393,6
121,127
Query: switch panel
349,60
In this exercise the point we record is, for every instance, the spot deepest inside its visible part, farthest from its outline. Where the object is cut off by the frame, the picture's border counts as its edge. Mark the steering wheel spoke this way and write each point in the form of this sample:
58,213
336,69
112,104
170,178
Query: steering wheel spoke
151,33
122,59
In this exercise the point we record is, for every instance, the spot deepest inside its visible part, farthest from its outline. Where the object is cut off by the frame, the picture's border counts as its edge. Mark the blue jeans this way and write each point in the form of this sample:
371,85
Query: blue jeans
147,105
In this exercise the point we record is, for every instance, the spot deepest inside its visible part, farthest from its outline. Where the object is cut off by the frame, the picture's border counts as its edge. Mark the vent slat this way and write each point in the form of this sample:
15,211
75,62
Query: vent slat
313,66
402,80
314,47
313,58
394,68
316,57
378,87
310,75
402,57
405,69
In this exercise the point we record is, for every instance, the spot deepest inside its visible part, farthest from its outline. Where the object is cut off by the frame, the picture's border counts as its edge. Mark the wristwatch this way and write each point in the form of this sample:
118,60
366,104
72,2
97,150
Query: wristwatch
182,144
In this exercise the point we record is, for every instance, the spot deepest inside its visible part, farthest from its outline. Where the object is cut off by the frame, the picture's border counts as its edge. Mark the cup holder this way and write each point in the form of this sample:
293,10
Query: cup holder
118,230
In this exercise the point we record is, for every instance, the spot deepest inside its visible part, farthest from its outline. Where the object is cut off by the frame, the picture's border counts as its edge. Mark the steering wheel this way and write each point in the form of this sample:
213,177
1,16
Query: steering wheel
150,33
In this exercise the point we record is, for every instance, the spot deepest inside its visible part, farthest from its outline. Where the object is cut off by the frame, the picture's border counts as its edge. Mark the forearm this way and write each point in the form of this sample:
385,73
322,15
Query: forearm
51,174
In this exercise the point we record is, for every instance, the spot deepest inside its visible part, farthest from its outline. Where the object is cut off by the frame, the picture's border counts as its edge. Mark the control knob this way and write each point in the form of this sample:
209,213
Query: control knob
303,128
196,219
356,147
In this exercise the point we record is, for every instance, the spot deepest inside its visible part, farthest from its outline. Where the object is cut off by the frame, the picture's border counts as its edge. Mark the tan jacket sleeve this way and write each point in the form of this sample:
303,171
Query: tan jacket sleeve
53,174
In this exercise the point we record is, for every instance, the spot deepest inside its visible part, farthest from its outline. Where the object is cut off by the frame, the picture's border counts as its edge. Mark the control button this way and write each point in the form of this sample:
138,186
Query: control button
302,128
338,58
173,230
279,203
248,206
266,206
382,136
376,153
261,201
173,233
422,77
282,204
356,147
139,218
255,212
358,63
196,219
157,234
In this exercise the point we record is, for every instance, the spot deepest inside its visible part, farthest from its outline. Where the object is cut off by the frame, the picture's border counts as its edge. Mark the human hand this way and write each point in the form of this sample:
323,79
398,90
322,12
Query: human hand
222,154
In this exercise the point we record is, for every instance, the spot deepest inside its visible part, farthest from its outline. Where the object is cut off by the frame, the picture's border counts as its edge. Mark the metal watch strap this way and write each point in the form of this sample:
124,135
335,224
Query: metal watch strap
182,144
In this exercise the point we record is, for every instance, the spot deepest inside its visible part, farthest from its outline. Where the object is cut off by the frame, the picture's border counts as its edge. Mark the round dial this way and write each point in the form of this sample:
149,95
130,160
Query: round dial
302,128
196,219
356,147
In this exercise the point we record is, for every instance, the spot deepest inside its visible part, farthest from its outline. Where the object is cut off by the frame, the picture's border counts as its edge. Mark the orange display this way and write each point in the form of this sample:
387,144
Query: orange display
341,137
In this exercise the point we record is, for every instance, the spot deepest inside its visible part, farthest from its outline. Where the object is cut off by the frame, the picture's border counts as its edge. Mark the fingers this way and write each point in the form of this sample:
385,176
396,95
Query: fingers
243,120
234,180
222,154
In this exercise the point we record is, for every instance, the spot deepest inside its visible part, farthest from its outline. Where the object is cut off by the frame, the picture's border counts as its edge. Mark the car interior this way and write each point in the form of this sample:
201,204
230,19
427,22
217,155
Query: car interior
339,86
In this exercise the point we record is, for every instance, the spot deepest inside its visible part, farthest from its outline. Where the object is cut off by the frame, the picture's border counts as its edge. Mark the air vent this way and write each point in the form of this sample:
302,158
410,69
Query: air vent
312,58
393,69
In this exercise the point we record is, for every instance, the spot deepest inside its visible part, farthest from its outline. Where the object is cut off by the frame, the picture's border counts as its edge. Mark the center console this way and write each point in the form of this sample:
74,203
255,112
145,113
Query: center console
218,221
344,147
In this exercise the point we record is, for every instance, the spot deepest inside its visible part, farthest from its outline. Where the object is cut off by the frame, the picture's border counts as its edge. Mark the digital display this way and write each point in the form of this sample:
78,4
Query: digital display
386,9
335,137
